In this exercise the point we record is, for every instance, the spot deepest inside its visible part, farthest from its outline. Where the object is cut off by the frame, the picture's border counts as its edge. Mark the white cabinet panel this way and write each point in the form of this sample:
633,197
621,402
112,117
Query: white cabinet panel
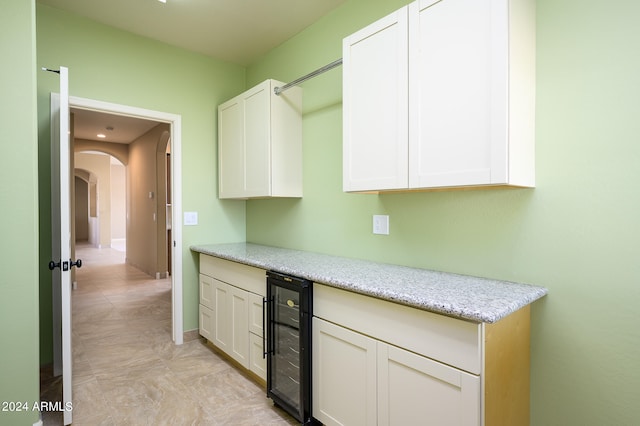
344,376
239,275
448,340
222,316
206,322
375,100
206,291
257,141
232,148
257,361
256,314
239,319
412,389
458,77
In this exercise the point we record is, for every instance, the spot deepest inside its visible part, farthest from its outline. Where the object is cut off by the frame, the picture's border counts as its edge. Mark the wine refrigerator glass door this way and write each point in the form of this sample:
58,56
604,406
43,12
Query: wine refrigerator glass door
286,369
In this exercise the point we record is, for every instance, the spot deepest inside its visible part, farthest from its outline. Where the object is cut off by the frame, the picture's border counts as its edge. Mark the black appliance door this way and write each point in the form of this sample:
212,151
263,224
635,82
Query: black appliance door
288,371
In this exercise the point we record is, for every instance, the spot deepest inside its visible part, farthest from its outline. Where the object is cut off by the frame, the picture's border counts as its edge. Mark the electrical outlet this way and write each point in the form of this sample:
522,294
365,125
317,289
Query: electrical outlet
381,224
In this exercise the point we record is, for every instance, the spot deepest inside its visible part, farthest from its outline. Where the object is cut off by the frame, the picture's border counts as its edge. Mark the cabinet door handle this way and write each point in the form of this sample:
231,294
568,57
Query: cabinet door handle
264,331
269,346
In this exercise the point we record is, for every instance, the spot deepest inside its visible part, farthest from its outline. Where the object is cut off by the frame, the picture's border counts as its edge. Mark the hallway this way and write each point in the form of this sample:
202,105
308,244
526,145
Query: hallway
126,369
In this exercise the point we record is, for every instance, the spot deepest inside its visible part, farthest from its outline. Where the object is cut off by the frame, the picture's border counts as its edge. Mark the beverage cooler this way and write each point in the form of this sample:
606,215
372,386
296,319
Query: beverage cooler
288,346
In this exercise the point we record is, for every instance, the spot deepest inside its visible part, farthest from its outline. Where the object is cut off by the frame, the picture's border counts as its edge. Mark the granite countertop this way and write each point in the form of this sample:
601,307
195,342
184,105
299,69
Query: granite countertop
459,296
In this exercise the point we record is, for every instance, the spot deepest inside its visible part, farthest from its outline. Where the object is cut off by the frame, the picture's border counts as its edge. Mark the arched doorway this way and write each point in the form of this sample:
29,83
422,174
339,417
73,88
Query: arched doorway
100,200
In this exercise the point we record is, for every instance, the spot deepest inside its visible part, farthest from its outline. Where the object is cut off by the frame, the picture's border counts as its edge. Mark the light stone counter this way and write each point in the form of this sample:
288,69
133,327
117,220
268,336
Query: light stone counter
459,296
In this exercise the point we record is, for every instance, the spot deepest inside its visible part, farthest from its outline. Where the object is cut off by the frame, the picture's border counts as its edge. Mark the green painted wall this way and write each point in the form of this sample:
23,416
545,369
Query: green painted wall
19,360
115,66
576,233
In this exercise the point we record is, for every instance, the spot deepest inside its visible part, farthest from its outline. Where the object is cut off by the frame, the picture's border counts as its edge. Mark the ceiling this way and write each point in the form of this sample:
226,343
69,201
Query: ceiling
238,31
115,128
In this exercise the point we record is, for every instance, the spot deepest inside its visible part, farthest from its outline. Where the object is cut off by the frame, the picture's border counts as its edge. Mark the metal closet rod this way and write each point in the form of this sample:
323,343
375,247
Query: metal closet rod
337,62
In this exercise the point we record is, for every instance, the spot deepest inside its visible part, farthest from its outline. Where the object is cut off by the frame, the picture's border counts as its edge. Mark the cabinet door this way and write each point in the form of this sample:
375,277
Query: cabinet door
375,98
257,361
416,390
257,130
344,376
206,291
231,149
221,316
256,314
206,322
239,325
458,92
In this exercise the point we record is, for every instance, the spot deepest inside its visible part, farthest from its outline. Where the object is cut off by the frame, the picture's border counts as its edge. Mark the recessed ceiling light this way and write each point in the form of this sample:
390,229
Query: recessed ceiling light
162,1
101,135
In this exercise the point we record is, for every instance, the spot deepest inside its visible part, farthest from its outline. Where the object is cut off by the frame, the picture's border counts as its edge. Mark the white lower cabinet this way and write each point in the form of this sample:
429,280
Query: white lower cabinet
358,380
231,313
377,362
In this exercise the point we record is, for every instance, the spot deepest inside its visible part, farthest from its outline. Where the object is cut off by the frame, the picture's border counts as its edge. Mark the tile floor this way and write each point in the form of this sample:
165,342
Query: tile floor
126,369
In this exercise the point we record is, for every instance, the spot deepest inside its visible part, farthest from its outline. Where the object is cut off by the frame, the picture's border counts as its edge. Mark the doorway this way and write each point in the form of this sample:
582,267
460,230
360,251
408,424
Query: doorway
168,217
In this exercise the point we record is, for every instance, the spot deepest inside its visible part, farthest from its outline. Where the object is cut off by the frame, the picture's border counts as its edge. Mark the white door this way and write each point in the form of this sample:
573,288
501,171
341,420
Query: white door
257,131
239,323
413,389
458,92
231,149
221,315
375,102
344,376
61,263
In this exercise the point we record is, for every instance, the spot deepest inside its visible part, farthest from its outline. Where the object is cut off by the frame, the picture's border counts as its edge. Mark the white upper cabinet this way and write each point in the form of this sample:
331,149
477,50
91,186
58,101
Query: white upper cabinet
260,143
441,94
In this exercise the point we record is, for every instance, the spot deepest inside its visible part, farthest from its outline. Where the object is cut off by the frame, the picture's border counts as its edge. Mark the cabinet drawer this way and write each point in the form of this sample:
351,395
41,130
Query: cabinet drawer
206,291
448,340
239,275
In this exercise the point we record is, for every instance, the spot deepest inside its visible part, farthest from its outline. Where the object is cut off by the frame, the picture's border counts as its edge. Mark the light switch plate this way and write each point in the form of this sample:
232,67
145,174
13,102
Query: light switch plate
381,224
190,218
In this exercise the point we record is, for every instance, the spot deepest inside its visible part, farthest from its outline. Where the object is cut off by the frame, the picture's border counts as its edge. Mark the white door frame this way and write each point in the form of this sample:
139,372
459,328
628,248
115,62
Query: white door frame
175,122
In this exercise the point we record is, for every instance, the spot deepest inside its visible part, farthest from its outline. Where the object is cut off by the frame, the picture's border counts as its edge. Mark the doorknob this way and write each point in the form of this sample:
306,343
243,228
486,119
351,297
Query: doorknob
65,265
